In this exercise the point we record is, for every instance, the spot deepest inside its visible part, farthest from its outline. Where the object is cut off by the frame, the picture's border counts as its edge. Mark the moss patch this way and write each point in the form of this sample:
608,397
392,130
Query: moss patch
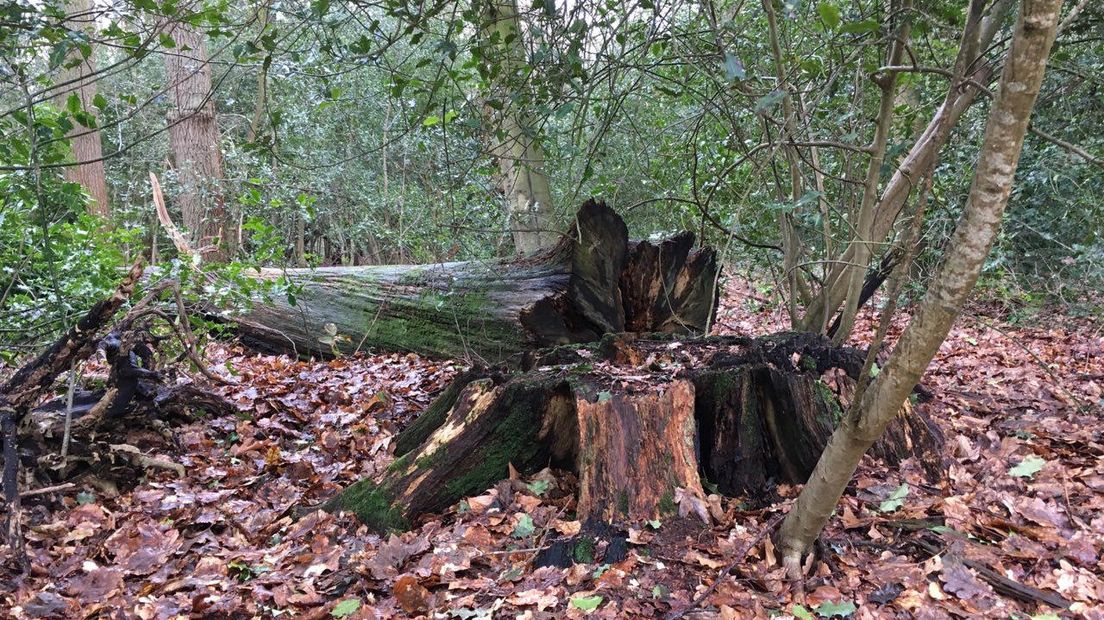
371,504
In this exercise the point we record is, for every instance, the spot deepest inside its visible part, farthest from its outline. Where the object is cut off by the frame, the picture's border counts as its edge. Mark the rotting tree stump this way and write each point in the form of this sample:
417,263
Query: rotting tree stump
595,281
637,419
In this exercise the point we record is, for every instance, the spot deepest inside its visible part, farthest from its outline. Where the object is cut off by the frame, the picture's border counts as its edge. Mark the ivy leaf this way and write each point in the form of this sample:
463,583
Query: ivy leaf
524,527
587,603
1028,467
829,14
842,609
895,500
346,607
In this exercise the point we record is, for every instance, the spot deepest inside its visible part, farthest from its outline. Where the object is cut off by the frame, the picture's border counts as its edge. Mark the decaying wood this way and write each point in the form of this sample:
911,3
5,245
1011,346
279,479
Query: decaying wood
641,420
595,281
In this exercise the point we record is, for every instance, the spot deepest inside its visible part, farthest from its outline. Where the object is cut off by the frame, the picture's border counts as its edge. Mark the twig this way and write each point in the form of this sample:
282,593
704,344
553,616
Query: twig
69,409
65,486
737,558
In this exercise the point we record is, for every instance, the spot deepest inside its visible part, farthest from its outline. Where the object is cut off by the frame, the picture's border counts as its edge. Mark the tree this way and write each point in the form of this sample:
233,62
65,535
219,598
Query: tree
79,96
194,142
973,237
525,189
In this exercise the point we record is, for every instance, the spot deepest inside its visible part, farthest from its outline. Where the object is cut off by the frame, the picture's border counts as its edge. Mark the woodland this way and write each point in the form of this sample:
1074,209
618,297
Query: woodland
536,309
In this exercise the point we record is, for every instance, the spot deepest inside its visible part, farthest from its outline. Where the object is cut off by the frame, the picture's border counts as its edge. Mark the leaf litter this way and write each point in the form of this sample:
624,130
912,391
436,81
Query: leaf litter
1023,499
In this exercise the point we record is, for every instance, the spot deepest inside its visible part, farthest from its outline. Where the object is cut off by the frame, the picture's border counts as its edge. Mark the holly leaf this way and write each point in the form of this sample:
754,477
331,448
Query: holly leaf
1028,467
841,609
587,603
346,607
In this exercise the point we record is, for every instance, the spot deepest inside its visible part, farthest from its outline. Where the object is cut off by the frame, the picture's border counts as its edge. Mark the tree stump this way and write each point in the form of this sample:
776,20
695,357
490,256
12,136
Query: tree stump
641,420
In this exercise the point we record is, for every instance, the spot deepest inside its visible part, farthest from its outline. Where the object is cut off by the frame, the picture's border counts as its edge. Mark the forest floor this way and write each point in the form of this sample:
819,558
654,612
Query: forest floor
1023,500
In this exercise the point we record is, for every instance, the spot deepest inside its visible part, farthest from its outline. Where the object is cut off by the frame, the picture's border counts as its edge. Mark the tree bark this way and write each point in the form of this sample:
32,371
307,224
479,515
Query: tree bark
639,433
973,237
593,282
88,167
527,195
194,142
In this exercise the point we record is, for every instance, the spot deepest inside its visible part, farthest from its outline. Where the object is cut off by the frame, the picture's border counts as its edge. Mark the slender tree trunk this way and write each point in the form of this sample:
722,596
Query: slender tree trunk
88,170
974,235
528,198
862,241
970,71
194,141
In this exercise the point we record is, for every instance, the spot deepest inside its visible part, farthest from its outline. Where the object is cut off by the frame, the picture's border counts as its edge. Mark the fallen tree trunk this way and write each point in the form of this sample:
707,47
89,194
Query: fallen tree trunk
642,421
595,281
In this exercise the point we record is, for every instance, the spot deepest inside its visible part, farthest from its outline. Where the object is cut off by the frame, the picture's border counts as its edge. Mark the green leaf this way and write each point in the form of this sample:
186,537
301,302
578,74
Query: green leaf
166,41
895,500
539,487
99,101
450,115
829,14
604,396
1028,467
320,7
431,121
799,612
346,607
587,603
861,27
73,103
524,527
842,609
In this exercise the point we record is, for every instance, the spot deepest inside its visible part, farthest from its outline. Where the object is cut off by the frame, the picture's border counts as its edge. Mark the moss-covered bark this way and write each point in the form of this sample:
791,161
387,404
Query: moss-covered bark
489,310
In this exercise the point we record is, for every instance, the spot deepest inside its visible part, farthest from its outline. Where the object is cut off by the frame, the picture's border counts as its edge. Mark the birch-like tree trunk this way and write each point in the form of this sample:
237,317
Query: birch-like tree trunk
966,253
194,141
79,80
527,196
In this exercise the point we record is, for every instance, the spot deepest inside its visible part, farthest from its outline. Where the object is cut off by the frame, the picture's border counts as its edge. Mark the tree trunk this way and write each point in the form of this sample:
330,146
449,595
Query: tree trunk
593,282
88,169
194,141
527,196
640,432
966,253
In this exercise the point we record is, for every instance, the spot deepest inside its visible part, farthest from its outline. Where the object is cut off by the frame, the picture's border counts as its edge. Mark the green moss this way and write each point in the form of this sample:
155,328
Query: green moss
511,441
830,403
583,552
426,461
623,502
434,415
399,463
371,504
440,324
667,506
